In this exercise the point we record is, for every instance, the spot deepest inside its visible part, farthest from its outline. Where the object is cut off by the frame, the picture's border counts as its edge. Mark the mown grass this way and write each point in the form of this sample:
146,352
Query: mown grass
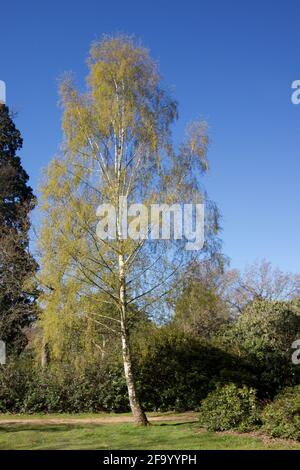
160,436
104,414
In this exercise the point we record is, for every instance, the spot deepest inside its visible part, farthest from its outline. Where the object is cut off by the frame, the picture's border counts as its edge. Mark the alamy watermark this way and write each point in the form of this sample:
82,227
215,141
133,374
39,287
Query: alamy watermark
296,353
2,352
295,97
156,222
2,92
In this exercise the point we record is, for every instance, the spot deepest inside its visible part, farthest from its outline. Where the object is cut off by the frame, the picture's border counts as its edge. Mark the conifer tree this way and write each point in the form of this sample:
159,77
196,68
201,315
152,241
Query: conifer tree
16,263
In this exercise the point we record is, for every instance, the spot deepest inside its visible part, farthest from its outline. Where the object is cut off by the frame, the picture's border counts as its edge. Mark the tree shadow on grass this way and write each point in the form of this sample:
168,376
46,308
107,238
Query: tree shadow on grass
182,423
23,427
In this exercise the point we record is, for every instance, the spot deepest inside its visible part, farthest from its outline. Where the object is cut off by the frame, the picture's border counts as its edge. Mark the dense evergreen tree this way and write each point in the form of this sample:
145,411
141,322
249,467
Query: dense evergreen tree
16,263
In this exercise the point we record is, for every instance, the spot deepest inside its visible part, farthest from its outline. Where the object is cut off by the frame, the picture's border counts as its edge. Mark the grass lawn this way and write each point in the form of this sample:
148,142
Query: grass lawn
161,435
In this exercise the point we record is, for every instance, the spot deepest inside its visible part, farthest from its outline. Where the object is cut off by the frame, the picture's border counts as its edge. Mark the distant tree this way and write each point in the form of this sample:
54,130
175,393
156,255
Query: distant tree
16,263
199,307
200,311
259,281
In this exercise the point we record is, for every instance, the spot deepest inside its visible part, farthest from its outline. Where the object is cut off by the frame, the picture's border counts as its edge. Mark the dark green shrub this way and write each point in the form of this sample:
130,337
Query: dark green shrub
62,388
281,418
15,379
262,337
230,407
176,371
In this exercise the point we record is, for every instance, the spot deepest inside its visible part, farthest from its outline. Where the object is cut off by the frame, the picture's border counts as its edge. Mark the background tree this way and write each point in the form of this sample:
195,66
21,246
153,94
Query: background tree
259,281
117,143
16,263
199,306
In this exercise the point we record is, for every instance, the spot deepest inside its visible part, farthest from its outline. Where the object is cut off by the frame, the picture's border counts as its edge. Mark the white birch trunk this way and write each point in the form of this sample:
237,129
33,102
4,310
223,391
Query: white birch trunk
137,411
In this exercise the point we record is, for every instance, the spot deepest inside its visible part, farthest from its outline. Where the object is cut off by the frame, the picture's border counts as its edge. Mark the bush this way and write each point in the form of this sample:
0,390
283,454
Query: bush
230,407
282,417
176,371
15,378
262,336
24,388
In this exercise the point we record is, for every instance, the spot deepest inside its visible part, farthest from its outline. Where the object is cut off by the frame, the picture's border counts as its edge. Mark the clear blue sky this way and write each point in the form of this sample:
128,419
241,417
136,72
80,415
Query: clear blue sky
230,62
